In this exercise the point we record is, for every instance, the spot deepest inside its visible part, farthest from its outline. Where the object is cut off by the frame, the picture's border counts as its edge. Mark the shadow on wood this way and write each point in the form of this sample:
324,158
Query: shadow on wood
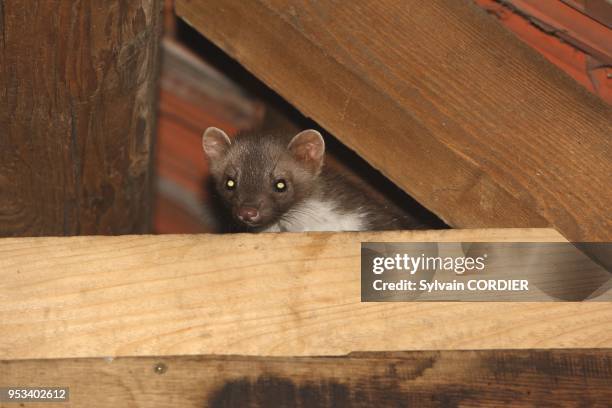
407,379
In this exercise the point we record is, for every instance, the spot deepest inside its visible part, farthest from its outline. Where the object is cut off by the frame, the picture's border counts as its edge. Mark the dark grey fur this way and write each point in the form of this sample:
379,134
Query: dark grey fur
256,161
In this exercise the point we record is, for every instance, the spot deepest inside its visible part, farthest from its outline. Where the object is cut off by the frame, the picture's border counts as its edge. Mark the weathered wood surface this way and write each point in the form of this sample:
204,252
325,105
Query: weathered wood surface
252,294
497,378
471,122
77,116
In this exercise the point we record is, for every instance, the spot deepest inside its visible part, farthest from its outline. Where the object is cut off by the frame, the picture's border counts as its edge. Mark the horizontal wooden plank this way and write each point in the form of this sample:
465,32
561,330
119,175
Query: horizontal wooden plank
428,378
252,294
471,122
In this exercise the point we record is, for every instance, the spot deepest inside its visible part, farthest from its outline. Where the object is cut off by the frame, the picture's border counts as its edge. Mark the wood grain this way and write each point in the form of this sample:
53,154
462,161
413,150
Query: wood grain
523,378
77,116
252,294
471,122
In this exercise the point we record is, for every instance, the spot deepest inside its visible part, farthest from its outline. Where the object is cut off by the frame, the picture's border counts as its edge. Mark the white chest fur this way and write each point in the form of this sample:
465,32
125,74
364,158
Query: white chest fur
316,215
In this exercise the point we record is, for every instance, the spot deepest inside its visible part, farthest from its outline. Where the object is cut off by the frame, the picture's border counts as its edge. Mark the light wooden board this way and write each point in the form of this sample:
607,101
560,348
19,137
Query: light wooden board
252,294
458,112
410,379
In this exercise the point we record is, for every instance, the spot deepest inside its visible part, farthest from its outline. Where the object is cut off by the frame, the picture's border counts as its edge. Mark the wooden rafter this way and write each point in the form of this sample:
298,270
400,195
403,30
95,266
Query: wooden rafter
471,122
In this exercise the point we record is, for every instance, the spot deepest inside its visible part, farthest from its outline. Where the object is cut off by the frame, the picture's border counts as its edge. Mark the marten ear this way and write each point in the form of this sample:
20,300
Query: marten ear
308,148
215,143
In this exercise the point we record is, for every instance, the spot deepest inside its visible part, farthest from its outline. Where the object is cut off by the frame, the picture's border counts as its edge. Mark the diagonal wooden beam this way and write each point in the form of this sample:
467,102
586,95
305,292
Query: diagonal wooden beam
438,96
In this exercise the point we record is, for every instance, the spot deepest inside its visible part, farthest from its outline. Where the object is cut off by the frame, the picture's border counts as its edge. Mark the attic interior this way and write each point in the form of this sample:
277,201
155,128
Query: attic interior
494,115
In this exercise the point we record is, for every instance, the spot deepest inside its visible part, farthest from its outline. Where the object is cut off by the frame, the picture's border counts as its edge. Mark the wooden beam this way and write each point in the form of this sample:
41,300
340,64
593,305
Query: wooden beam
438,96
77,116
427,378
252,294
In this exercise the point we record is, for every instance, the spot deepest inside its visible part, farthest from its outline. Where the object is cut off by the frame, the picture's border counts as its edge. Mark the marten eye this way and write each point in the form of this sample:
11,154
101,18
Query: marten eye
230,183
280,185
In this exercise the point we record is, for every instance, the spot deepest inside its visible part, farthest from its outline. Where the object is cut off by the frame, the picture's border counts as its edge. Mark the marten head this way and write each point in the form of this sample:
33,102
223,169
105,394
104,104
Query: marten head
261,177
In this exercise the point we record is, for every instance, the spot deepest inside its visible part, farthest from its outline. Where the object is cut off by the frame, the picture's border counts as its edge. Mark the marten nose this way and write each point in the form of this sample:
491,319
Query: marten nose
248,214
